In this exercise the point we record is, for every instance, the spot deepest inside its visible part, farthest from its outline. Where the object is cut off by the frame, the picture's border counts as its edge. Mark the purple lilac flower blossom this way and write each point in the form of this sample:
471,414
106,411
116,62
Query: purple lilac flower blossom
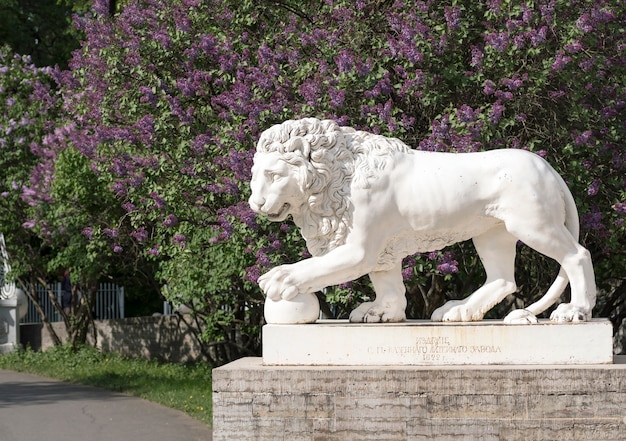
593,189
180,240
620,207
170,221
140,234
496,112
111,232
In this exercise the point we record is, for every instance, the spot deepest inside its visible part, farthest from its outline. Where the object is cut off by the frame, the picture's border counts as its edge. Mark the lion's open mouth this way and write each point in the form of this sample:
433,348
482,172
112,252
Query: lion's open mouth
282,213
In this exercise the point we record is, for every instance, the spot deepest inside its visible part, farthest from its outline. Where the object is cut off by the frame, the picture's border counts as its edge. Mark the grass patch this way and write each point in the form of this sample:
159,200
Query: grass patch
186,387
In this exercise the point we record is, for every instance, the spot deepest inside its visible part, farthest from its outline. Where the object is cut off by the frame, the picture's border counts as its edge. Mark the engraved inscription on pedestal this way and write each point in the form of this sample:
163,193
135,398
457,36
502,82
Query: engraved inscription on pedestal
438,349
425,343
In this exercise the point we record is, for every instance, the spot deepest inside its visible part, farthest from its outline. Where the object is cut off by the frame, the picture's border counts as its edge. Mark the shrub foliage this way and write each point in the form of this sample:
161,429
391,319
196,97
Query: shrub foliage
164,101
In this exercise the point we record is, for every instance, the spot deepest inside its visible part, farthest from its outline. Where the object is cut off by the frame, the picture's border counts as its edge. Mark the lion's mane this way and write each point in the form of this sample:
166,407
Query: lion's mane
331,159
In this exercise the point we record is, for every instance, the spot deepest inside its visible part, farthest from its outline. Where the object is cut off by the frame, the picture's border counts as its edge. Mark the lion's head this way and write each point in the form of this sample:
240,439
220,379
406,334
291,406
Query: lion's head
305,168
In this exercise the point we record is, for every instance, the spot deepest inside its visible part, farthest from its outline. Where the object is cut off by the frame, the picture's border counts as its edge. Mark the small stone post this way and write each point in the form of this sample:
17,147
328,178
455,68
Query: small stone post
12,305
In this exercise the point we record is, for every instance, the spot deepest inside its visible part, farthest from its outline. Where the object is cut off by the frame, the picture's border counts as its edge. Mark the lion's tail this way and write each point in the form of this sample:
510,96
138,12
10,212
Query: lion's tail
561,281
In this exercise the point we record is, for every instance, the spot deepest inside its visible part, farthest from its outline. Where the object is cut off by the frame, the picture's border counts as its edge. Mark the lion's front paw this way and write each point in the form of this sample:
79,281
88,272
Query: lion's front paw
456,311
372,312
278,284
520,317
566,312
437,315
356,316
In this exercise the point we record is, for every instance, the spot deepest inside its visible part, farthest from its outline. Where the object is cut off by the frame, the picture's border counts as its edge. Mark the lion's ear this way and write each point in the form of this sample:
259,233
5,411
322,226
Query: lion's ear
300,144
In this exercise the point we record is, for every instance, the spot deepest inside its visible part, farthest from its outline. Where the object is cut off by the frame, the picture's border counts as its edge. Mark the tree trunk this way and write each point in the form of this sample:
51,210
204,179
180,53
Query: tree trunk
83,317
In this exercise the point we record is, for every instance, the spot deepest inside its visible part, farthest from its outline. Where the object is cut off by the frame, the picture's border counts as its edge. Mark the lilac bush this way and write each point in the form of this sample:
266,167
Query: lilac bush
27,104
165,101
28,109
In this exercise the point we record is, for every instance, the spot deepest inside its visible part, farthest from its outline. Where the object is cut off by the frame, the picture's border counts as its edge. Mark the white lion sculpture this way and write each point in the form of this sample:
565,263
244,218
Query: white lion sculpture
363,202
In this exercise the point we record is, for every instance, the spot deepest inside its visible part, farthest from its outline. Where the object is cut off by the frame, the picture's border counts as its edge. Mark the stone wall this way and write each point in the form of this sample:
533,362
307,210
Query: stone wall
489,403
168,338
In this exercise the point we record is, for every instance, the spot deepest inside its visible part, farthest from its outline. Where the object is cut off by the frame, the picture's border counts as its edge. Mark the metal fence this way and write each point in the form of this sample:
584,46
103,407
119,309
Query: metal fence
109,303
32,316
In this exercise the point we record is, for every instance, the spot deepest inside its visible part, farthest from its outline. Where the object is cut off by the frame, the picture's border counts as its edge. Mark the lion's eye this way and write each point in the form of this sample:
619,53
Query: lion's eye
272,176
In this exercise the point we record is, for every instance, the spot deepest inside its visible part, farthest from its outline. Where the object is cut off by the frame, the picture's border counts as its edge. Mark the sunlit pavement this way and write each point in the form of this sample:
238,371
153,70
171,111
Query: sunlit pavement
35,408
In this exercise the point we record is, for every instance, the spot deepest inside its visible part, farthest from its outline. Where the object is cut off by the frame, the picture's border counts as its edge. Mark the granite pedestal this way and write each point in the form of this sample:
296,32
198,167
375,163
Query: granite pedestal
580,399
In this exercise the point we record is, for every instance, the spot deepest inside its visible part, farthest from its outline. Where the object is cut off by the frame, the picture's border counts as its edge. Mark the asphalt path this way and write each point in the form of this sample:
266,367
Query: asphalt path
35,408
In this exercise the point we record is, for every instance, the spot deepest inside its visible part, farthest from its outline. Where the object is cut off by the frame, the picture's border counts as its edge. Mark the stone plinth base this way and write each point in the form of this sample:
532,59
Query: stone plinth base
426,343
256,402
9,325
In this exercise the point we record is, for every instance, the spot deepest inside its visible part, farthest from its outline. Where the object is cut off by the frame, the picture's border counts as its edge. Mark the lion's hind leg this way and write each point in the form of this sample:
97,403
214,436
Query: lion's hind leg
529,314
579,269
558,243
496,249
390,302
